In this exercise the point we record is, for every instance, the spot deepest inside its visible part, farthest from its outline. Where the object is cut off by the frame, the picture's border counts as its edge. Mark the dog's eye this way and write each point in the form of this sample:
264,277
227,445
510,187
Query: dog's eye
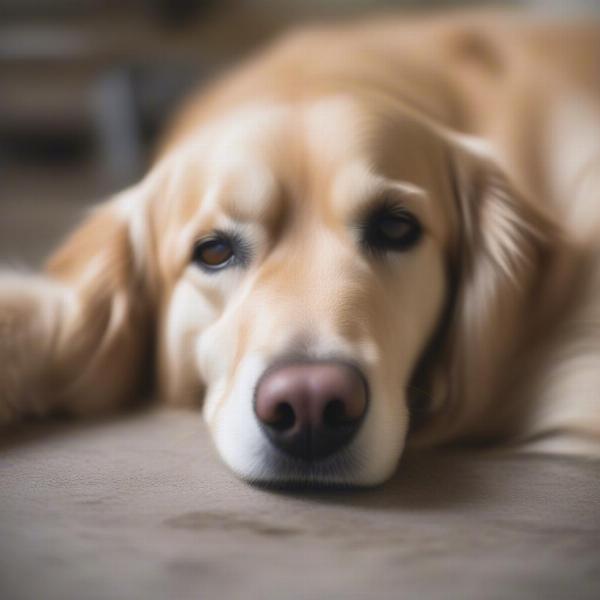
392,229
213,253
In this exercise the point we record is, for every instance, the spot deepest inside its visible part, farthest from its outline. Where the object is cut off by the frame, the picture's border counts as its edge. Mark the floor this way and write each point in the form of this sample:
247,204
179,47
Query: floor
140,506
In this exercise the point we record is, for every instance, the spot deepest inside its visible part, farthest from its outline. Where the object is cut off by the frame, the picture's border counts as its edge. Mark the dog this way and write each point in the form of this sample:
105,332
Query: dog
370,234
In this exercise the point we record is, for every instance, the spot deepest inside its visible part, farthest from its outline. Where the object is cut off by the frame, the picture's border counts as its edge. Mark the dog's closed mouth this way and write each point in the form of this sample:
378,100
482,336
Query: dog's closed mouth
326,474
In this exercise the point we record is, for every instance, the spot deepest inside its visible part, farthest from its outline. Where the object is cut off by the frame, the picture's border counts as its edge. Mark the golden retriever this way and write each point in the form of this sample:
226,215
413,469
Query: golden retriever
371,233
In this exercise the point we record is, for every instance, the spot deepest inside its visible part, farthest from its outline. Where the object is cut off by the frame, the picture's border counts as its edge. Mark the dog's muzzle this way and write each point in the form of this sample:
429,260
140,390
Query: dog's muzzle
311,409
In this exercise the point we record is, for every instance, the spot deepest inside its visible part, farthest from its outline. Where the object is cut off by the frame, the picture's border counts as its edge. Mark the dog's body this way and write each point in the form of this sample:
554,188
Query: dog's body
410,204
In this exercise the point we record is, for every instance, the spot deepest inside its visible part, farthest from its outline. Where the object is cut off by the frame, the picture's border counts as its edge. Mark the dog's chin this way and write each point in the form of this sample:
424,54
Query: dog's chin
341,471
366,462
348,468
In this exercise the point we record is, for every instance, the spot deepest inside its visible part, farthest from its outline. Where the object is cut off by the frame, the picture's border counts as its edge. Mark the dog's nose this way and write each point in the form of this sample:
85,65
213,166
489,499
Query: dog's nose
310,410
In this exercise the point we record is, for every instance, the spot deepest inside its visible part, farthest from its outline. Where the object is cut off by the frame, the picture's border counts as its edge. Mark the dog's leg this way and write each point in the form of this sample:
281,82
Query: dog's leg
76,338
30,310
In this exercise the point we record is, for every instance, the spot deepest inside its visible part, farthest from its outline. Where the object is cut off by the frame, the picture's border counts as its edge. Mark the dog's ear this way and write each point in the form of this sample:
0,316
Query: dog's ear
503,248
77,338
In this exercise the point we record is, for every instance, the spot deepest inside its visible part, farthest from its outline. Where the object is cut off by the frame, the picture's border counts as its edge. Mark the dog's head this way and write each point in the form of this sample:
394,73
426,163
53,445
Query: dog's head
307,267
304,262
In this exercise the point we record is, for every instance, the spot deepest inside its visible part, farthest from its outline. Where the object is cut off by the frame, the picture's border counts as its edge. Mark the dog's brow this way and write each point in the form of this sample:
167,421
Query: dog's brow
357,188
408,189
249,194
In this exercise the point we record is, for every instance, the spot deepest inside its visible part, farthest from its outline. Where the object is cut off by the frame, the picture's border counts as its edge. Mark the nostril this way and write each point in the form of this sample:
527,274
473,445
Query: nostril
284,417
335,415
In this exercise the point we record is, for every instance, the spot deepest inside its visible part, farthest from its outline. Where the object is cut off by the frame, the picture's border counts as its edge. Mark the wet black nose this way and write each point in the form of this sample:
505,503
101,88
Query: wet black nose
311,410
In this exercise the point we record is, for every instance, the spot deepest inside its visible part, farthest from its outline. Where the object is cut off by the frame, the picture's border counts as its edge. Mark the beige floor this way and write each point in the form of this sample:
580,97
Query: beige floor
140,507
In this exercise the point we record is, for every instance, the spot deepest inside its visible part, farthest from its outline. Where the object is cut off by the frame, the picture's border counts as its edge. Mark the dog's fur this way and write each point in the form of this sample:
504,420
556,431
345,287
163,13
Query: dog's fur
487,128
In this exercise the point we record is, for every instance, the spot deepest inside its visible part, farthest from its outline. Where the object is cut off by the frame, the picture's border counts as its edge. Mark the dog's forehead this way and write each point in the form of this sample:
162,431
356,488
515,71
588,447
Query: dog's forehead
323,127
293,142
326,128
331,152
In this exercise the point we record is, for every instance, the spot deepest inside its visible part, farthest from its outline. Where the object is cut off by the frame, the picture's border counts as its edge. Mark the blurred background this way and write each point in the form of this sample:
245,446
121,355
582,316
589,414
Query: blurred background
87,85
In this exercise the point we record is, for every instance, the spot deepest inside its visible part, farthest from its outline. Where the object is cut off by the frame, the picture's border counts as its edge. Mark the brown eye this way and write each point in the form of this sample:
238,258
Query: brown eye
213,253
391,229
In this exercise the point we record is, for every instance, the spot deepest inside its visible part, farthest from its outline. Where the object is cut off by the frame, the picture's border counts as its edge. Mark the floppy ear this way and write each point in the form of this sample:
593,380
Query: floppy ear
503,250
77,338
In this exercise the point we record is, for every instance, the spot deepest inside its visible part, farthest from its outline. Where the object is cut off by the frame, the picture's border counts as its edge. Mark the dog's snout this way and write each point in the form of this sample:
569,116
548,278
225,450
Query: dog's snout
310,410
